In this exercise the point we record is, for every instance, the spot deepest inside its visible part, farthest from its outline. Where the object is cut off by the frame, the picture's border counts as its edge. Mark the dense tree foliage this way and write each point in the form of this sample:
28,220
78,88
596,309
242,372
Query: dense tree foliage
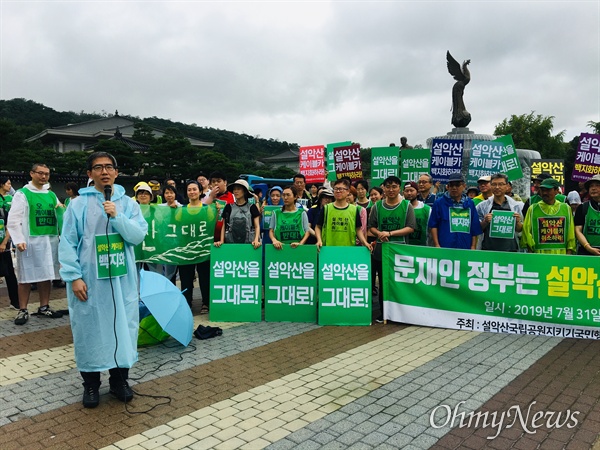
170,155
534,132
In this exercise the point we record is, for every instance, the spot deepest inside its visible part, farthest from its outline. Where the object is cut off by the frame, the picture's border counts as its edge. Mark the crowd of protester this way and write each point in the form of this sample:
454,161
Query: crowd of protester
338,213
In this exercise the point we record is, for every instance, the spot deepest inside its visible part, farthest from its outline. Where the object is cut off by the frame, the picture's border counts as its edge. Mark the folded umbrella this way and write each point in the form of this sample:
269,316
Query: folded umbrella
168,305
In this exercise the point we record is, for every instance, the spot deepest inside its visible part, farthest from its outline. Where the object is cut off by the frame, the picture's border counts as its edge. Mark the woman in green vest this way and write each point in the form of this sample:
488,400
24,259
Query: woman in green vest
72,191
289,225
5,198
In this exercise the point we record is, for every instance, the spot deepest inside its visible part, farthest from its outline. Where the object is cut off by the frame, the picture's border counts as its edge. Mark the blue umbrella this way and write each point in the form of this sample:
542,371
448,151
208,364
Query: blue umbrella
168,305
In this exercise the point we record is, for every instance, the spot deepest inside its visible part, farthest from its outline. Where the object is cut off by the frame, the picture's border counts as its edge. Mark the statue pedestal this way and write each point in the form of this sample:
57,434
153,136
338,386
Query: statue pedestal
460,131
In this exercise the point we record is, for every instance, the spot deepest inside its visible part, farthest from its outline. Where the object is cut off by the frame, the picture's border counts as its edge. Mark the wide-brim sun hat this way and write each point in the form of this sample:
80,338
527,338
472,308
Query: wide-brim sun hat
144,187
588,182
326,192
240,182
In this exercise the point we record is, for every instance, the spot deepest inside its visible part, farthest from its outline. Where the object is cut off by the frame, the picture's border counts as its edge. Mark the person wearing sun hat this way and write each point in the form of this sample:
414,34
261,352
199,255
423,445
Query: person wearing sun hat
548,226
241,219
483,184
587,220
143,193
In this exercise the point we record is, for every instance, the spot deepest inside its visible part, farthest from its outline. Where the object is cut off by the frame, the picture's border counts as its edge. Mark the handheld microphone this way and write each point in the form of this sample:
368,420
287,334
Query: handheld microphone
107,193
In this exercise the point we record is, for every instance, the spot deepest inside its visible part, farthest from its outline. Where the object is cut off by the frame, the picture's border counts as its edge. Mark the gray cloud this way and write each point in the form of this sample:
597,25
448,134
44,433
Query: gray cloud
309,73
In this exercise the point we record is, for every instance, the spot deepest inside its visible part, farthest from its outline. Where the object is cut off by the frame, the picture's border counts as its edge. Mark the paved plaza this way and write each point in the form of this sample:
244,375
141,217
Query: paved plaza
301,386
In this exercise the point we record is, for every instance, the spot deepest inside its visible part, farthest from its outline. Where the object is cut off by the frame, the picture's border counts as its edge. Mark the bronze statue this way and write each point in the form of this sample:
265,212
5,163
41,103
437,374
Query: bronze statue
460,116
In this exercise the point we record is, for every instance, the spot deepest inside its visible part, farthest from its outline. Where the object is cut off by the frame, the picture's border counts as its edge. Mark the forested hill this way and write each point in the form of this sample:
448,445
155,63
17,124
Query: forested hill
31,117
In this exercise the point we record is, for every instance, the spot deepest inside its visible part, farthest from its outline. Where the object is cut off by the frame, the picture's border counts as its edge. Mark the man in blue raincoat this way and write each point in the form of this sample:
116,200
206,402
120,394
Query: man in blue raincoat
98,263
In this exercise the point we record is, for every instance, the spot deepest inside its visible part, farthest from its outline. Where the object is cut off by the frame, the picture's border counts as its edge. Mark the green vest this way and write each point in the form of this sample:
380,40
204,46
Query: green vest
419,236
392,219
550,231
591,228
339,226
42,212
5,202
289,226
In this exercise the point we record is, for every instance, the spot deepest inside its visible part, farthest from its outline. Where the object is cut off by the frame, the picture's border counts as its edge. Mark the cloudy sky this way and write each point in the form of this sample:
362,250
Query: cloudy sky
307,72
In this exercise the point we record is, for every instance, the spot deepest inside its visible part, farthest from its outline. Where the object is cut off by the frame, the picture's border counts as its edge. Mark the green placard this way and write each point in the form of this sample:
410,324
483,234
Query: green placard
330,160
177,236
522,293
111,253
385,162
503,225
414,163
512,165
291,284
2,230
344,286
236,283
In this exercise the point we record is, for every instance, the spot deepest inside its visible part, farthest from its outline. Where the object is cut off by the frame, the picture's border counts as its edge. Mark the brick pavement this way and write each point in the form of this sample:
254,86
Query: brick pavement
283,385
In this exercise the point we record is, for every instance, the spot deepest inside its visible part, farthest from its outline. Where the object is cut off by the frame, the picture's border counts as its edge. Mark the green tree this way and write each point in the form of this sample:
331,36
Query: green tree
129,161
594,126
170,156
143,133
534,132
72,163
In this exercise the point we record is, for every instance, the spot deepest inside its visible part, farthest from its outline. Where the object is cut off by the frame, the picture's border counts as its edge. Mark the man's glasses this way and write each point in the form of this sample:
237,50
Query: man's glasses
41,174
100,167
340,189
498,185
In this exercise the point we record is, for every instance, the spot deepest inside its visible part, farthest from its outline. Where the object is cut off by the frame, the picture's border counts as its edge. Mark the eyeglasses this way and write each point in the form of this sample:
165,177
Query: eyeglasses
423,182
340,189
42,174
101,167
497,185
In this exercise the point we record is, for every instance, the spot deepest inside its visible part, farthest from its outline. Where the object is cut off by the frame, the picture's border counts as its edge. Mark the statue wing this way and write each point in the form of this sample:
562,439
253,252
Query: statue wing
454,68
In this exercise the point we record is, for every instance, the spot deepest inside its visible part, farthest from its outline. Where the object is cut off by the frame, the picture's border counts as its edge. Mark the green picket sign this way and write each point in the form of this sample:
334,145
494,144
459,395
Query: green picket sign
511,162
291,284
344,286
236,283
330,160
385,162
414,163
503,225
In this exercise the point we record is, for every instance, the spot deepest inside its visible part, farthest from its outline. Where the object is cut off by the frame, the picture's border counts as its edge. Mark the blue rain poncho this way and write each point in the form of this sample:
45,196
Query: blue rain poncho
93,321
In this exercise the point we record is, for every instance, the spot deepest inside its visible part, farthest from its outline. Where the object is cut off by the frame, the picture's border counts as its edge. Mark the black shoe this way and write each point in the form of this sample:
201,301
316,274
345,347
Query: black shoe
379,319
91,396
122,391
59,284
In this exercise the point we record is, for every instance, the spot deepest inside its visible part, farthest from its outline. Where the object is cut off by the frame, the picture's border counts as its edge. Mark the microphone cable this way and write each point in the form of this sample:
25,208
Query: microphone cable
107,192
